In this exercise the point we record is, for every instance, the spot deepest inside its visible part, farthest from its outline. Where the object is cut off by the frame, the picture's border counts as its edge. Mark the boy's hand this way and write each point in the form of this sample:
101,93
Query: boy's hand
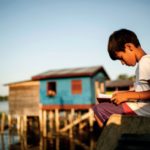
119,97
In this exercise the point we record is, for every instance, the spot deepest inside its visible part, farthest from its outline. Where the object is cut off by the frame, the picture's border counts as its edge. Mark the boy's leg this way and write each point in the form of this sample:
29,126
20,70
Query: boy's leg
104,110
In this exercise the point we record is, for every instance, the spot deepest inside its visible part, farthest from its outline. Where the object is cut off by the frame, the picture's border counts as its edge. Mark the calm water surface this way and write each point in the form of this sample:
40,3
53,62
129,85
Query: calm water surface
82,141
4,106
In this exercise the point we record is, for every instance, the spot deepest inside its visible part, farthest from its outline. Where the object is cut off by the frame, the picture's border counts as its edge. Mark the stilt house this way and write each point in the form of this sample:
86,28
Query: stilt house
70,88
48,94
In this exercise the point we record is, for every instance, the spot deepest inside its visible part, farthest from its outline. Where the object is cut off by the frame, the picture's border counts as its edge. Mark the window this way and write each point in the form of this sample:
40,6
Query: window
76,86
51,88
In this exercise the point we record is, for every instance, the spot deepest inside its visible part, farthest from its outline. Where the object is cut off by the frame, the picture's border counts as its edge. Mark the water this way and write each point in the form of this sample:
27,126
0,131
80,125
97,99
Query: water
85,140
4,106
82,141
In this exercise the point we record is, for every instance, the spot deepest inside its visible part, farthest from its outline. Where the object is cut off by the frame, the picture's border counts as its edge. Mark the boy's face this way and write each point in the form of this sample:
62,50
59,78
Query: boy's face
127,57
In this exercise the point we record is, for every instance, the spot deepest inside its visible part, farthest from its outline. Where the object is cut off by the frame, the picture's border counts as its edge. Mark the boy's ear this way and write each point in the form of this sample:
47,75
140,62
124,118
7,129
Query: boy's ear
130,46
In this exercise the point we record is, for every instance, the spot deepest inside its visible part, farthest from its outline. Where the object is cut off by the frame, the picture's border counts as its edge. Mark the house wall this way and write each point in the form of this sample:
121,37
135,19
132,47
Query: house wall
64,94
24,98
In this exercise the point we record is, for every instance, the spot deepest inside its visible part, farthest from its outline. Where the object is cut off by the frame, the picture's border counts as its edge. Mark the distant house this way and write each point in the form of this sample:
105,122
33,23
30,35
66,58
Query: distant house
70,88
119,85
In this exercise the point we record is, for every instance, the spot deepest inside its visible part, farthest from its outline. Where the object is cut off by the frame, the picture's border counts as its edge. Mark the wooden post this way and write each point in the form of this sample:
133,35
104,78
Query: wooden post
41,143
21,125
41,120
65,118
80,123
45,123
18,124
57,120
57,143
71,120
25,123
51,117
9,122
2,123
91,119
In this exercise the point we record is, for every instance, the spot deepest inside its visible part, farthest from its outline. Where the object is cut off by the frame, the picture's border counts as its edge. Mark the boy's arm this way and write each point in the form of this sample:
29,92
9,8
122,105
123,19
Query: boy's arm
130,96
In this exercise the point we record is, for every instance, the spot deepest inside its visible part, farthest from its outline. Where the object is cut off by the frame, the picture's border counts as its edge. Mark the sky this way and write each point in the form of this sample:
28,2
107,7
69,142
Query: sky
40,35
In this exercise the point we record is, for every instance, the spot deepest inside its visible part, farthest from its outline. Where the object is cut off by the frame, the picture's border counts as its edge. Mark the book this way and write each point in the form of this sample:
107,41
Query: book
104,97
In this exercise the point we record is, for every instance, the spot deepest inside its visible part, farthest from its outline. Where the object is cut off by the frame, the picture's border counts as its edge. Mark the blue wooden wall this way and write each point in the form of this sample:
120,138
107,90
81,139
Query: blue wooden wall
64,94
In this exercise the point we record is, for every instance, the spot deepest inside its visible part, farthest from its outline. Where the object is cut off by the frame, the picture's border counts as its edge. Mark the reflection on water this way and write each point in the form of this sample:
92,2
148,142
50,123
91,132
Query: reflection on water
32,140
82,141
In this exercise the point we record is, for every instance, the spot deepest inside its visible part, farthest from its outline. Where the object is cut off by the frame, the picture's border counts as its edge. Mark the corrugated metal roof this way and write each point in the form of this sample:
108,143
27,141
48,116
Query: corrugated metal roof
71,72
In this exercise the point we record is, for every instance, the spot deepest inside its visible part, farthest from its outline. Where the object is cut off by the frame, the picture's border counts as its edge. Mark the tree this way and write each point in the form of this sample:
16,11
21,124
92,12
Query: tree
3,98
122,77
125,77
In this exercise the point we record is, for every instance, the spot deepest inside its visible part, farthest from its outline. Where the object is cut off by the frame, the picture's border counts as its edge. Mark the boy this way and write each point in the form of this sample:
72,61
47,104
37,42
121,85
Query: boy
124,45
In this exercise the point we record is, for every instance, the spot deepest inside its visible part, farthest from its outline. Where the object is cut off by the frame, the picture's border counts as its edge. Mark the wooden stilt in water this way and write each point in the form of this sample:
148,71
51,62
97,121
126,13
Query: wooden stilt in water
57,120
18,124
65,118
51,121
21,125
2,123
41,121
41,144
70,121
57,143
45,123
24,123
9,122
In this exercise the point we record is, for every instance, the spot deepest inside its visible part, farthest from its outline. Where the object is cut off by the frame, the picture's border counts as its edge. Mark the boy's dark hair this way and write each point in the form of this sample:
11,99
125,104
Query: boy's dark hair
118,39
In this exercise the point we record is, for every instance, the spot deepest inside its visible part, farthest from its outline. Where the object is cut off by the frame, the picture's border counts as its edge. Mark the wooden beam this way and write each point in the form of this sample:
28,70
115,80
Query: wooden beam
77,121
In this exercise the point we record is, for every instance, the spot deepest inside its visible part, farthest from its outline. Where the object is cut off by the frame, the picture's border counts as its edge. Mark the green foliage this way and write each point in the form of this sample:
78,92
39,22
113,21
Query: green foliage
125,77
122,76
3,98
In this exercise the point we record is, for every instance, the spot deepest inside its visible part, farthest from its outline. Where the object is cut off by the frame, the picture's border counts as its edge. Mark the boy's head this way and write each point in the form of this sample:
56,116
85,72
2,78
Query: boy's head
119,39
